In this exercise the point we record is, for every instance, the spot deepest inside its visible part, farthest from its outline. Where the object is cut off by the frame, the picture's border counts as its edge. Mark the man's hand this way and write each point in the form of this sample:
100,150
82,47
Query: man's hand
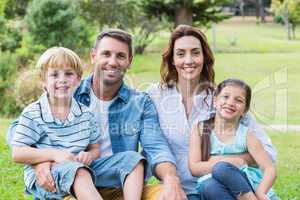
172,189
44,177
84,157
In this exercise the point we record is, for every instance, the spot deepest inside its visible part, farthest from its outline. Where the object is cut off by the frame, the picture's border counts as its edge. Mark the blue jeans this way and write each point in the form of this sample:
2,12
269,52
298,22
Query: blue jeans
227,183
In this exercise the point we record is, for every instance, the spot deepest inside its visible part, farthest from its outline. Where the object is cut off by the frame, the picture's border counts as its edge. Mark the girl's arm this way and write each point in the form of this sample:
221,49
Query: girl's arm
29,155
261,157
196,165
199,167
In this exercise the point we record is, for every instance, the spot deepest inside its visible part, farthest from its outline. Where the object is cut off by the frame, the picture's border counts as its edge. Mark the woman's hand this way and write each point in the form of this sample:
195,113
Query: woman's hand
261,195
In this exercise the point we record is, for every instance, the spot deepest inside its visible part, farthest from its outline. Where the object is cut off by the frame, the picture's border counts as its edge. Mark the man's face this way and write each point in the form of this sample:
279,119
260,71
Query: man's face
111,60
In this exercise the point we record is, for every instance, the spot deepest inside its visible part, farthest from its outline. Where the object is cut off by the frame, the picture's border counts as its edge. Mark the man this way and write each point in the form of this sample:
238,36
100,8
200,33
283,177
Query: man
126,119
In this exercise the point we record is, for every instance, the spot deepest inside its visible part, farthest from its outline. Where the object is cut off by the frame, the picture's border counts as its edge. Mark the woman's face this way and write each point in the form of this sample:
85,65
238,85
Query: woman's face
188,58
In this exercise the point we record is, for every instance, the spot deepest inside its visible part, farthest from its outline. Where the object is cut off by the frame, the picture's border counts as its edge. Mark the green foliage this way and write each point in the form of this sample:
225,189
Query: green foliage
28,87
288,10
127,15
10,37
15,8
56,23
8,70
2,6
201,12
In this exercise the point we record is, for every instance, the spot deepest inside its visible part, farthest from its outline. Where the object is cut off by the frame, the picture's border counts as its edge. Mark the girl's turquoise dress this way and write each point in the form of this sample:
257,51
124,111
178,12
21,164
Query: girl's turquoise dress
239,146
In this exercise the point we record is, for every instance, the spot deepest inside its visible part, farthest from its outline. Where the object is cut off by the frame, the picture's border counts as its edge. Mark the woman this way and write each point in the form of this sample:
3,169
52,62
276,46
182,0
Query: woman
184,96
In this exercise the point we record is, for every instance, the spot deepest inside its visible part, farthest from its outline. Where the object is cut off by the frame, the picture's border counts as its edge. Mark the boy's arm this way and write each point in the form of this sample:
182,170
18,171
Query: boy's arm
87,157
261,157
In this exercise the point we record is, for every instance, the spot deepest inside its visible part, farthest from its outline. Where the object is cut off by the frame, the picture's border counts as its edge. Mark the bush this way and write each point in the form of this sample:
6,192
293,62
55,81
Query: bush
27,88
8,69
10,37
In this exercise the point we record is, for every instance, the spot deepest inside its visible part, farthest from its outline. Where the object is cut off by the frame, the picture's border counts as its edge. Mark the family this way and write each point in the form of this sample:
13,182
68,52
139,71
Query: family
97,138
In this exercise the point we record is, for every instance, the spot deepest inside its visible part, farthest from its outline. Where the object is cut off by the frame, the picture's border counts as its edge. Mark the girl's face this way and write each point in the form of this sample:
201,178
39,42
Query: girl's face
60,83
230,104
188,58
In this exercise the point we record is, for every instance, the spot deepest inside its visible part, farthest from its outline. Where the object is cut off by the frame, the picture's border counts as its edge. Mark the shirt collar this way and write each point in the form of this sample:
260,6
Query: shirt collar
123,93
47,116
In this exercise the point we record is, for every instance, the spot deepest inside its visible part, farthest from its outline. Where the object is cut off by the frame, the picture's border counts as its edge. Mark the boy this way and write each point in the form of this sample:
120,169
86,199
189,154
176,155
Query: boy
58,129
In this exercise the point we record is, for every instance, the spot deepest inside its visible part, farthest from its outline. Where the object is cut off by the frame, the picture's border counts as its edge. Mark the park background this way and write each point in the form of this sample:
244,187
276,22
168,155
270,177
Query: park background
254,40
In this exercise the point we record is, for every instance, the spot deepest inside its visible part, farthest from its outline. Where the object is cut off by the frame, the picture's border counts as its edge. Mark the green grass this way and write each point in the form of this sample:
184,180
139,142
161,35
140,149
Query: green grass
287,185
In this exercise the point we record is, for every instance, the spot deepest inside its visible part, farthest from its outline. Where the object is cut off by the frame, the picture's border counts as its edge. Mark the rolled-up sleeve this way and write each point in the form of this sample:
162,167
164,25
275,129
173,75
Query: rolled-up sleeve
259,132
154,144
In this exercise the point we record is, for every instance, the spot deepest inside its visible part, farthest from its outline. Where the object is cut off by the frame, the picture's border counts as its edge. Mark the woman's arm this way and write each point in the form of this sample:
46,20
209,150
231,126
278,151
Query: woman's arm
196,165
261,157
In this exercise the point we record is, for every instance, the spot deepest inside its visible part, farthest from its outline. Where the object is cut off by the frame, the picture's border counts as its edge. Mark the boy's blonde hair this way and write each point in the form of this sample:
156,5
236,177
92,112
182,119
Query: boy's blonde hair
59,57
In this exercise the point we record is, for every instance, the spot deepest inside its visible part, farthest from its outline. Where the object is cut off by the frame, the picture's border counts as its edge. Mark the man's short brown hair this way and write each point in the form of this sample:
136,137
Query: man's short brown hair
117,34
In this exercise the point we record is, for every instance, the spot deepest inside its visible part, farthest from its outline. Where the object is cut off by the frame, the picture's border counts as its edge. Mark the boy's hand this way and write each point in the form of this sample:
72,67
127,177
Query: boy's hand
60,156
44,176
84,157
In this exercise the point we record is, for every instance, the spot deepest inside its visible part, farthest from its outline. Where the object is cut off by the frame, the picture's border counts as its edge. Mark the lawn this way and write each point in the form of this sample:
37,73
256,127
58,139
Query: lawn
287,184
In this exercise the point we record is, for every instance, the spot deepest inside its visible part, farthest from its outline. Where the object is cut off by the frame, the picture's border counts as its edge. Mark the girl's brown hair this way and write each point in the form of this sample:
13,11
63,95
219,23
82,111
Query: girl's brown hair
169,75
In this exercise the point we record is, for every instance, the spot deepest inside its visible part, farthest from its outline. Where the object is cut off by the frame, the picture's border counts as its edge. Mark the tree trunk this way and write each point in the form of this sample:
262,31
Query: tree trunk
183,15
262,11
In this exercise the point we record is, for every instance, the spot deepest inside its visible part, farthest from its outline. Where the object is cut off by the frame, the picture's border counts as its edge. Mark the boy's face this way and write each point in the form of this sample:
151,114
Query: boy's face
60,83
111,60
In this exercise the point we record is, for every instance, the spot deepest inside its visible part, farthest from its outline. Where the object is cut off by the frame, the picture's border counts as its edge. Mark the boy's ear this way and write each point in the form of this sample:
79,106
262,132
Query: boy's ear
92,55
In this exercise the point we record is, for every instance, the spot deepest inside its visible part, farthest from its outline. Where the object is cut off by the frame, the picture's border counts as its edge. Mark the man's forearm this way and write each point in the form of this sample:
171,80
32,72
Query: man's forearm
166,170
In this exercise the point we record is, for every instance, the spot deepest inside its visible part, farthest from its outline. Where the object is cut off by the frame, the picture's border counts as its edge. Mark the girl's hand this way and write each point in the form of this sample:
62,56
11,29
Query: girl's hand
60,156
84,157
236,161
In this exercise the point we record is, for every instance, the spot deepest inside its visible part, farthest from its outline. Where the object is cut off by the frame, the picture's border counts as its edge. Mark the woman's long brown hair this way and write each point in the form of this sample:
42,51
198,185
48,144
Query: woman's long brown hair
169,75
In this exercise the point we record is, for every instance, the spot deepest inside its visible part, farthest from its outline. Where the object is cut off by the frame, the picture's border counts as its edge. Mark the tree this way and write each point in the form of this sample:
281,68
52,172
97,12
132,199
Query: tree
126,14
191,12
56,23
16,8
289,12
10,37
2,6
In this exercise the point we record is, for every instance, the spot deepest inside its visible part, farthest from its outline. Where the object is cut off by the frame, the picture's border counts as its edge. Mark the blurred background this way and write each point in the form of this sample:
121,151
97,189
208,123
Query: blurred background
254,40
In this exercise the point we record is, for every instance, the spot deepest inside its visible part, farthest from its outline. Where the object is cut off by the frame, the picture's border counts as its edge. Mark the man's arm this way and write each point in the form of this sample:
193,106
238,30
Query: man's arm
158,153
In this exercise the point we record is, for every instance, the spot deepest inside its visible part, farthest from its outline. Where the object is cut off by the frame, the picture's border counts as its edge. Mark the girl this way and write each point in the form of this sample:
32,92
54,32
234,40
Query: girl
225,135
